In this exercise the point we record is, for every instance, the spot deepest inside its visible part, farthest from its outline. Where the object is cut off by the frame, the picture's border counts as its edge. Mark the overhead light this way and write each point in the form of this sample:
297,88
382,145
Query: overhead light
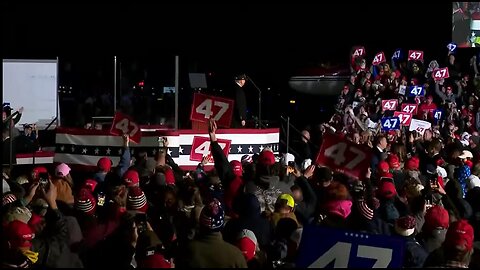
292,101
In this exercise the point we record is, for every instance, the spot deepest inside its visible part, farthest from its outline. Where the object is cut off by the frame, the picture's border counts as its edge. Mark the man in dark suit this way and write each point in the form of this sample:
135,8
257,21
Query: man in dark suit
240,114
379,152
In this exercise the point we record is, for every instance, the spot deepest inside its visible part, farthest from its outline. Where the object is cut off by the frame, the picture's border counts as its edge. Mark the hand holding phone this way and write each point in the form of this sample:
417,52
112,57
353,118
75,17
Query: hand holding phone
141,222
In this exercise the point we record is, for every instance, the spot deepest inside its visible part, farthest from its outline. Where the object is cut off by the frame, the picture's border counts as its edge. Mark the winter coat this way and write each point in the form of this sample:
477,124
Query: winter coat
52,244
209,250
248,208
267,189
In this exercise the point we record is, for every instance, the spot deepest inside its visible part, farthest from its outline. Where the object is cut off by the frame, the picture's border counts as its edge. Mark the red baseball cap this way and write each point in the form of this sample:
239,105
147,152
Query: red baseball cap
386,189
19,234
236,167
436,217
459,234
383,166
266,158
131,178
169,176
393,161
105,164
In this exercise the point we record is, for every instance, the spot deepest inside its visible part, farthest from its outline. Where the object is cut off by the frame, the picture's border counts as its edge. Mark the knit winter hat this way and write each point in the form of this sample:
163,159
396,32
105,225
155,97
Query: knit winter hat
20,213
364,210
212,216
246,159
85,202
8,198
405,225
136,200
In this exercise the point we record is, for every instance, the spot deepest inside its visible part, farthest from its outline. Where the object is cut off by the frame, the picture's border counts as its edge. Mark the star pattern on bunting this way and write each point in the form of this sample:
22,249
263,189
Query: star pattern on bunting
108,151
239,149
250,149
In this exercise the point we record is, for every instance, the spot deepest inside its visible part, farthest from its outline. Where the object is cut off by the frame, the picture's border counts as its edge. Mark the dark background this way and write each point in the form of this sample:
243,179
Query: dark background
269,42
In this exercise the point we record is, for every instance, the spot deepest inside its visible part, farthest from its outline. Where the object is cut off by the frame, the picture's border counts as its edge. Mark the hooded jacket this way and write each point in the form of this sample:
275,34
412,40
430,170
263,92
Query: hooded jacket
267,189
248,208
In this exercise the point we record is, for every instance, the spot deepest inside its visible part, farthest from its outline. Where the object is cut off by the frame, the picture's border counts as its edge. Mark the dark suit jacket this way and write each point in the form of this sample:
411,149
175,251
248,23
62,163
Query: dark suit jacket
240,104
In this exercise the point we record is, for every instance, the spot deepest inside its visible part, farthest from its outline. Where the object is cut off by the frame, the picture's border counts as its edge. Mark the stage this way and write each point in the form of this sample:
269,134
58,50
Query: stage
82,148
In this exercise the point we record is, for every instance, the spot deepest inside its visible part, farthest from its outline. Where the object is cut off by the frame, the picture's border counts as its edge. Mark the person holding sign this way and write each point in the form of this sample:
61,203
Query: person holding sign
446,94
428,107
240,101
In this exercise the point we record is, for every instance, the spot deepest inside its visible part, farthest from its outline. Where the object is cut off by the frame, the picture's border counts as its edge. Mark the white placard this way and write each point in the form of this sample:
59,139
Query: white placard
419,125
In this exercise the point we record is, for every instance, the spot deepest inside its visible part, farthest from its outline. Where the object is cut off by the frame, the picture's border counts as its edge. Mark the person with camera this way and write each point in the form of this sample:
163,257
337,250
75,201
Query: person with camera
51,233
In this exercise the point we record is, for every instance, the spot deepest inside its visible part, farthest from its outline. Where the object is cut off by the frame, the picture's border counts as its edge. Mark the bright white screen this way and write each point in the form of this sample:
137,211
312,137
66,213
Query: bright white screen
31,84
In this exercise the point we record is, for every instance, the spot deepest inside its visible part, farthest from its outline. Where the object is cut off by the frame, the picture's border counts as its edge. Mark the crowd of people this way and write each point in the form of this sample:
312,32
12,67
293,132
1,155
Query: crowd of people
147,212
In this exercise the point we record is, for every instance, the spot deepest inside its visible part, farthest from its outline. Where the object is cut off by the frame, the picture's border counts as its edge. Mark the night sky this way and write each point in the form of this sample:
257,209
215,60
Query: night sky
246,34
268,41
